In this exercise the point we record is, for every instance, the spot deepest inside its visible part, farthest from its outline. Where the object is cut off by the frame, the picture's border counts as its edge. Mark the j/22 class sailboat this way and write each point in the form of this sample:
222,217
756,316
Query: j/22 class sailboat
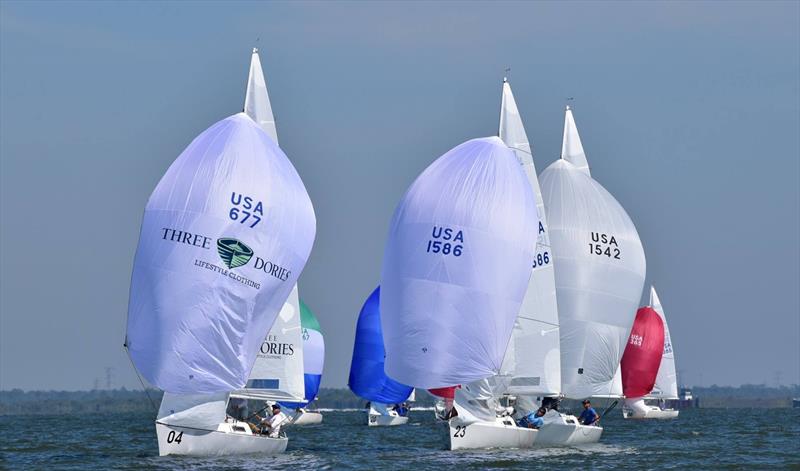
367,377
212,272
599,275
455,271
666,381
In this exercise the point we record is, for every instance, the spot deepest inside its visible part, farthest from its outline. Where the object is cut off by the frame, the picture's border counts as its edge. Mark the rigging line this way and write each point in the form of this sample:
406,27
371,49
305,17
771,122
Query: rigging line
141,381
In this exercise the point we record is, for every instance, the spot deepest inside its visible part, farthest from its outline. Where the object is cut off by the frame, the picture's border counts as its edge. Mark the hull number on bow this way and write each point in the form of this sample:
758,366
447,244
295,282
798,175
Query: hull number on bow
172,437
446,241
461,430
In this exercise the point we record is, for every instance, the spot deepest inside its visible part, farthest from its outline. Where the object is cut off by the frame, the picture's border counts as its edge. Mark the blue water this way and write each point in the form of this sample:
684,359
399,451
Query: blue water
699,439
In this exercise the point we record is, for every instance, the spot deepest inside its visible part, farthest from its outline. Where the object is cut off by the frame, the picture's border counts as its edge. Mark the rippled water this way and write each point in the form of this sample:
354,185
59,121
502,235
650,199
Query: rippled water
699,439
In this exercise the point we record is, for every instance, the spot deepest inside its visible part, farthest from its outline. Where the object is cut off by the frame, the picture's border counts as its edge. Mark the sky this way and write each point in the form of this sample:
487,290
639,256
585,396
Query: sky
689,114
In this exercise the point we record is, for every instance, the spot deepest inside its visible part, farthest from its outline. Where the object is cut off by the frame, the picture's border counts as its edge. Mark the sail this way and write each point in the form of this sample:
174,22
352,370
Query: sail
225,235
666,386
571,147
367,377
445,393
642,354
456,266
313,356
201,411
599,277
533,359
278,371
256,100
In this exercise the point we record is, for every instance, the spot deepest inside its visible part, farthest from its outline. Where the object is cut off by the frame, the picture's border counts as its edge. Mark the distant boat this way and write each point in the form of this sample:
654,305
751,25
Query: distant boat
313,347
201,296
455,271
666,381
600,271
367,378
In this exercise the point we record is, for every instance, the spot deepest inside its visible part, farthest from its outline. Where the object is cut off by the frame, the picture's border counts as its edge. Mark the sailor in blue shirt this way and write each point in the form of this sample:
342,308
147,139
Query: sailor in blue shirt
589,415
534,419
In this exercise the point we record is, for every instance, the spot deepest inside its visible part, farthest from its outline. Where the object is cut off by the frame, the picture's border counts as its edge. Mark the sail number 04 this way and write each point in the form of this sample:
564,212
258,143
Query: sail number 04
461,430
172,437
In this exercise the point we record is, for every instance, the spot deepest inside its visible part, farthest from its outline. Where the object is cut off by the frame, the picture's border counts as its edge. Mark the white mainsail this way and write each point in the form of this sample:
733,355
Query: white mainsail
532,364
256,101
278,371
600,275
667,380
571,146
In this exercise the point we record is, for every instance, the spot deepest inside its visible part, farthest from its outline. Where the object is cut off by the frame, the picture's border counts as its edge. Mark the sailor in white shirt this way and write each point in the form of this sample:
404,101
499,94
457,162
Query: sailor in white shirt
272,425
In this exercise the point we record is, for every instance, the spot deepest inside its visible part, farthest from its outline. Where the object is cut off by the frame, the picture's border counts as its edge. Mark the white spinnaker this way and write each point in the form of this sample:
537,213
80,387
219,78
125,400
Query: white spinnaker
256,101
666,386
278,371
599,280
533,357
272,367
571,146
202,411
456,266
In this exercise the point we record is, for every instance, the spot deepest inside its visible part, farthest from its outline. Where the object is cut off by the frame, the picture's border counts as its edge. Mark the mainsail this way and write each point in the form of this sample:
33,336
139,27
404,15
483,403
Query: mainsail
225,235
367,377
456,266
600,275
278,371
642,355
571,146
666,386
532,364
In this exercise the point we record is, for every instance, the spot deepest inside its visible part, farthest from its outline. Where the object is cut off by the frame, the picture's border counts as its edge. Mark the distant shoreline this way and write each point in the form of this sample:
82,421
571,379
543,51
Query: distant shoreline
19,402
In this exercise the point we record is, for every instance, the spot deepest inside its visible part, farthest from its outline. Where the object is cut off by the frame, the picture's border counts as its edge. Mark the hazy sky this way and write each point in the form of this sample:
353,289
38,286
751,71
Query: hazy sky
689,114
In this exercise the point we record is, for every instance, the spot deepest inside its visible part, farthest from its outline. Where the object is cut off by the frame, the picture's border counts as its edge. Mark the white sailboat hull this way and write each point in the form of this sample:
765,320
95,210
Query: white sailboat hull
229,439
306,417
565,430
652,412
503,433
377,420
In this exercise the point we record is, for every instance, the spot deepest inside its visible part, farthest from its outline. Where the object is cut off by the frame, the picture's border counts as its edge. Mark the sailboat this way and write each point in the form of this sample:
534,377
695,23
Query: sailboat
313,363
531,368
367,378
455,271
666,382
599,275
219,252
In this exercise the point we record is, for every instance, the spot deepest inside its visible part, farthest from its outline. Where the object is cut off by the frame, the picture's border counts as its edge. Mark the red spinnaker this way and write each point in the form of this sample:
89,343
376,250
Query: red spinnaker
447,393
642,356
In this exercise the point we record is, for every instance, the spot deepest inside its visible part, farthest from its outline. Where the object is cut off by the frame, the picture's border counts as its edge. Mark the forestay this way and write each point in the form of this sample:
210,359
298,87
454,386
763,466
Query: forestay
225,235
367,377
666,386
599,280
456,266
532,363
